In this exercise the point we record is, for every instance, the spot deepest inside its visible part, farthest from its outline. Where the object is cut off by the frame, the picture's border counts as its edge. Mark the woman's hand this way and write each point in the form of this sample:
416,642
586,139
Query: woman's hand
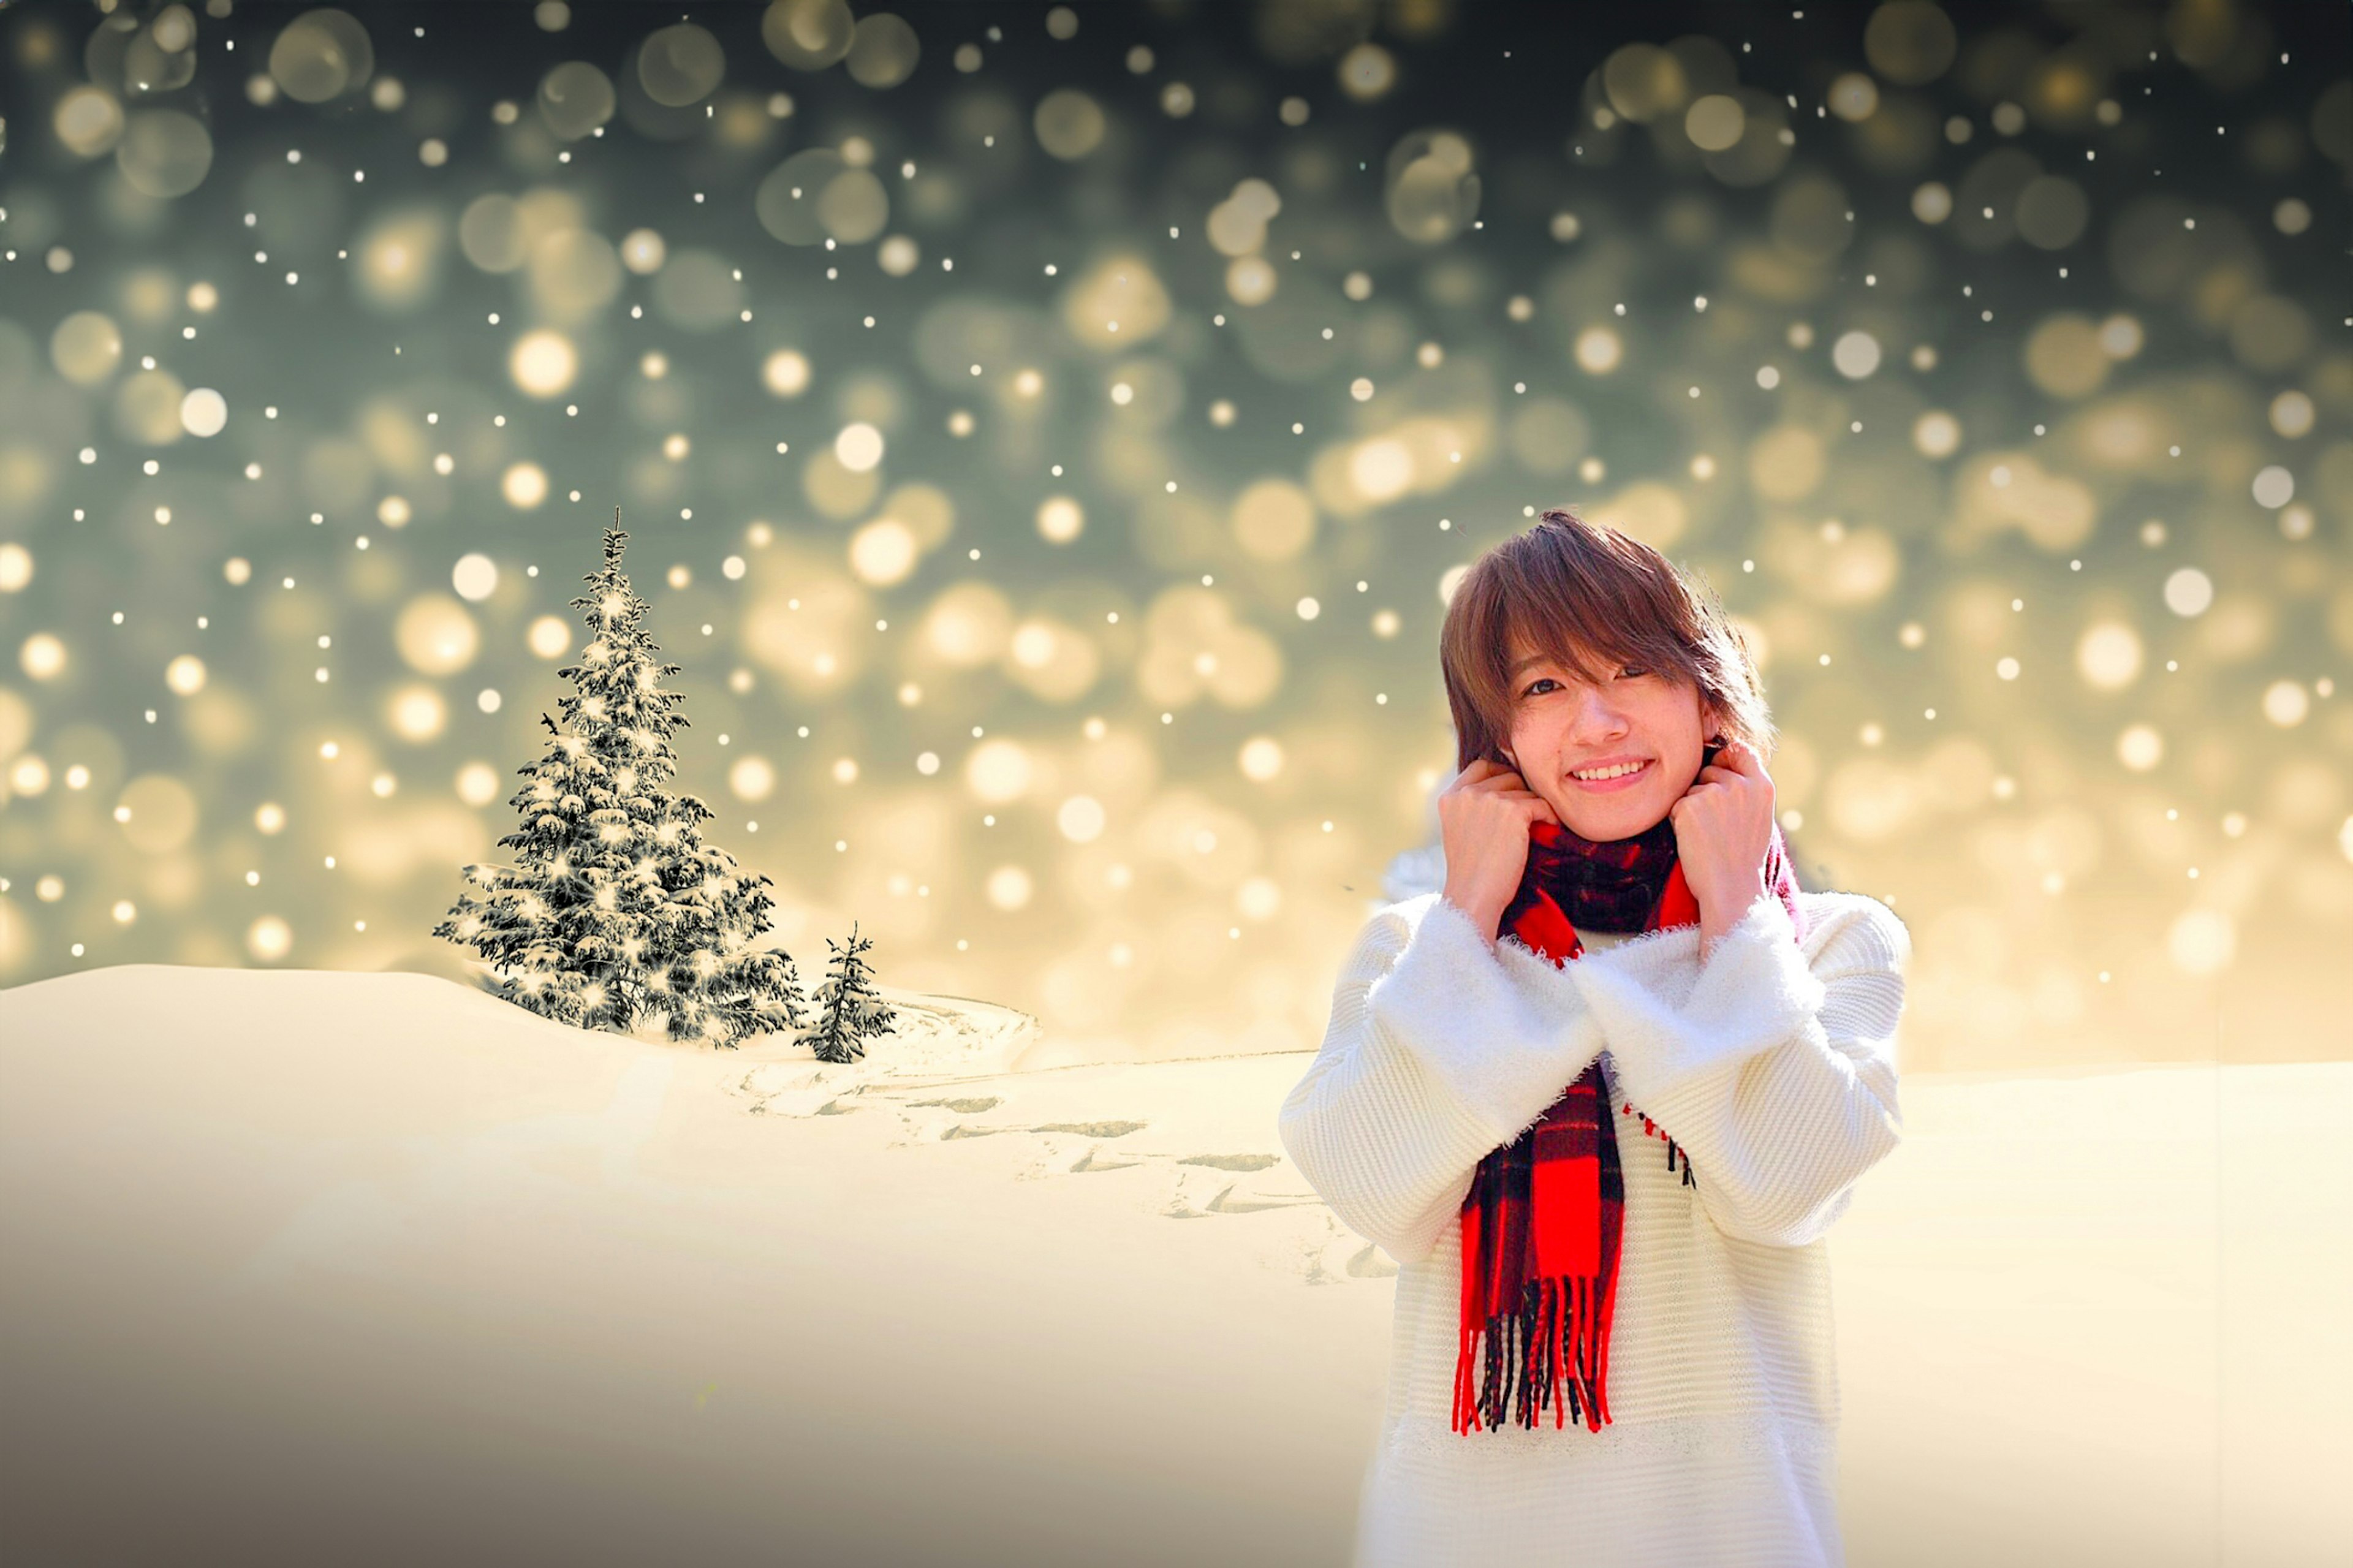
1724,824
1484,819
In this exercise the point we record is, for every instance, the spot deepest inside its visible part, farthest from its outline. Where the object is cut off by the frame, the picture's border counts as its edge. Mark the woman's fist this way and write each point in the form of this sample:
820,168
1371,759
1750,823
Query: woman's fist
1484,819
1724,824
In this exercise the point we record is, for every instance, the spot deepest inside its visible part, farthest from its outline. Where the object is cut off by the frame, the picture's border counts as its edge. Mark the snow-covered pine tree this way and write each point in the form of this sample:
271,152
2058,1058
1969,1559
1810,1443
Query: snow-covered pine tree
849,1010
615,909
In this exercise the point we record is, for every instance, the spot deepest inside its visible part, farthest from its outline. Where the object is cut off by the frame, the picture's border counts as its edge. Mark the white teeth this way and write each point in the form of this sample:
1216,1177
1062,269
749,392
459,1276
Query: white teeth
1619,771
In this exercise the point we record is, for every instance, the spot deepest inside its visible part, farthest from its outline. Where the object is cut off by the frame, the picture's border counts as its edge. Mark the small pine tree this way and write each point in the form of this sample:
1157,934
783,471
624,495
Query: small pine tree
615,908
849,1010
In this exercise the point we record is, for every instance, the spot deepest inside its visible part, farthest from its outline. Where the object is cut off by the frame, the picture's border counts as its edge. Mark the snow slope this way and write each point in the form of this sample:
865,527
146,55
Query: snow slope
309,1266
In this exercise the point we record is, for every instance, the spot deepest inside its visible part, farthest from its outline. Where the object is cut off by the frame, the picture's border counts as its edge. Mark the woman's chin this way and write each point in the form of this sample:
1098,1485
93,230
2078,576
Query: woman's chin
1606,822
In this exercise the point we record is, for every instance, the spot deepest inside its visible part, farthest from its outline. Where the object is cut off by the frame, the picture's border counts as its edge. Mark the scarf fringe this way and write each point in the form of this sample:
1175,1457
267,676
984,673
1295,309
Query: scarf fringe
1552,1354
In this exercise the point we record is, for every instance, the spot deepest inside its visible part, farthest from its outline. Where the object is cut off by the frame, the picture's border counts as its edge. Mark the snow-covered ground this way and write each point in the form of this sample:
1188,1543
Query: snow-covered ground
320,1267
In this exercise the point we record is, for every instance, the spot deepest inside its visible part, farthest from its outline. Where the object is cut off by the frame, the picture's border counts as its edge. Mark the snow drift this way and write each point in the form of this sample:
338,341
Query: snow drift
320,1267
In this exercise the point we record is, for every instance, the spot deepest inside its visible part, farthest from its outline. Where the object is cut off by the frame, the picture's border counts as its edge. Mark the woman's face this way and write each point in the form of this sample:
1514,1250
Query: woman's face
1561,727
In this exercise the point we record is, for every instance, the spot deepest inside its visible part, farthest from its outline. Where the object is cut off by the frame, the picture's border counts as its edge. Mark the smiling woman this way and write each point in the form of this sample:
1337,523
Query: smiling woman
1612,729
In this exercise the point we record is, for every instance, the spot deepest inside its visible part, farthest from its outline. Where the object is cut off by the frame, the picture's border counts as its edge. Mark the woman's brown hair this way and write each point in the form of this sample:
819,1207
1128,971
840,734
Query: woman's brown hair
1594,599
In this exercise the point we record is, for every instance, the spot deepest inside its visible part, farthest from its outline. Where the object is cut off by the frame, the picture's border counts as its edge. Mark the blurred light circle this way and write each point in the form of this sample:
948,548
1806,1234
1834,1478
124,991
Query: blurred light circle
44,656
524,485
204,412
2291,414
1715,122
575,98
544,362
1034,644
785,372
476,576
1910,41
2273,488
2064,357
1643,80
752,778
399,257
416,713
1273,519
1366,72
147,407
2188,592
574,273
1937,434
2108,656
853,207
435,635
882,552
882,51
2293,215
1251,279
1060,520
2202,941
786,202
1260,758
1431,194
1381,468
86,347
2120,337
1259,899
490,232
2141,748
1856,354
1853,97
897,256
809,35
642,251
165,153
88,120
859,447
549,637
1599,350
1009,888
15,572
1081,819
270,939
185,675
2286,703
1932,202
997,770
478,783
1069,123
321,54
2051,212
681,64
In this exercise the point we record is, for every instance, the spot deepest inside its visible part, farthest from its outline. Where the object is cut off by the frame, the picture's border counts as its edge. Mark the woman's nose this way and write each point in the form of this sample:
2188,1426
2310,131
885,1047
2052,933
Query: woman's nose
1596,719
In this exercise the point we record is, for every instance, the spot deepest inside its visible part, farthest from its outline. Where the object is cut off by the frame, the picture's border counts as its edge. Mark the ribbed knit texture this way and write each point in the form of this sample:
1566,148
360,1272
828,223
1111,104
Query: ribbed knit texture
1773,1066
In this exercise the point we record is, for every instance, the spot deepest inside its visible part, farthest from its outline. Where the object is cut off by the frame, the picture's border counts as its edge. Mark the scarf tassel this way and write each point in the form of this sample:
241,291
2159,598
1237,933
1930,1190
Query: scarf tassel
1552,1354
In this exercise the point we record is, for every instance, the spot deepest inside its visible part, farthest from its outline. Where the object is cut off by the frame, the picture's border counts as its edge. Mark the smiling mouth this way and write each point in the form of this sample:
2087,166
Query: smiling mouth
1613,780
1615,773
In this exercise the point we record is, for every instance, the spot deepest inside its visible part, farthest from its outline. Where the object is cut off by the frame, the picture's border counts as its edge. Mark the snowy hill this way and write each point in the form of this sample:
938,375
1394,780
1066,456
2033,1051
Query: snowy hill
310,1265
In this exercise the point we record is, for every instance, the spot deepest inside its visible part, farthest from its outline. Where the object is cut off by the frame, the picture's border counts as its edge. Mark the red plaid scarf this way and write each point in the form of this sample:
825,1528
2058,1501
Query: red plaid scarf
1542,1219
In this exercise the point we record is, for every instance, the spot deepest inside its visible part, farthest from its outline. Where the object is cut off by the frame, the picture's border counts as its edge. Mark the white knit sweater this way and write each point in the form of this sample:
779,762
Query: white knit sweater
1773,1067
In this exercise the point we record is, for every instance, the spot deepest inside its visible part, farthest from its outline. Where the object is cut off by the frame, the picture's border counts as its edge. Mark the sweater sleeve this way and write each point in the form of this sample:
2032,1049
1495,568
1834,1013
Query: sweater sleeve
1777,1075
1440,1048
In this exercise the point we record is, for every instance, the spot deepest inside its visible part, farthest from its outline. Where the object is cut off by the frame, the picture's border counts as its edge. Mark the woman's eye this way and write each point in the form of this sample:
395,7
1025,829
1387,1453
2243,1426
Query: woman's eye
1539,680
1632,671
